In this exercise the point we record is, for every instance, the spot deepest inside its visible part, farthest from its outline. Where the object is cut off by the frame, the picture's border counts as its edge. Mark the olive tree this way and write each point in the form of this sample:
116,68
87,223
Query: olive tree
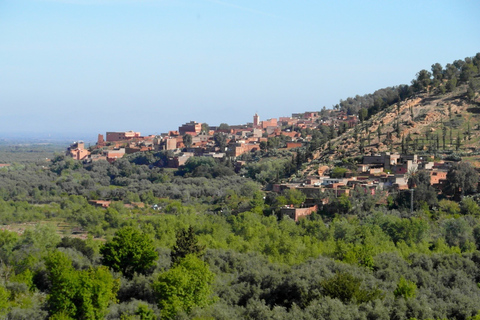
462,179
185,286
129,251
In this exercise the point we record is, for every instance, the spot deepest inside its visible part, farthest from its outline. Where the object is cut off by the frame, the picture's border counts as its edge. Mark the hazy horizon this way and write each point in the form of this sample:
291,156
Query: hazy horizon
84,67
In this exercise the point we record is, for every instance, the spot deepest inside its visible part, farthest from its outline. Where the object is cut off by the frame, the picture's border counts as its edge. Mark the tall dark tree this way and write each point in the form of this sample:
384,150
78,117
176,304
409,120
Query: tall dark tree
450,71
220,140
223,126
444,135
333,133
187,243
418,178
437,71
451,84
362,114
476,60
470,93
423,192
263,145
458,64
422,81
462,179
467,72
187,140
442,89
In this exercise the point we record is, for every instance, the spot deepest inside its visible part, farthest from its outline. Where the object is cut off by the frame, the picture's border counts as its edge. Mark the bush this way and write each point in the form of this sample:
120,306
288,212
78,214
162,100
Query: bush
406,289
347,288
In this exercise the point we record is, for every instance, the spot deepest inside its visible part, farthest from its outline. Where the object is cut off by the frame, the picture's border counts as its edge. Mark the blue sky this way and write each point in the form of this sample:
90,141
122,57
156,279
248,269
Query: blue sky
90,66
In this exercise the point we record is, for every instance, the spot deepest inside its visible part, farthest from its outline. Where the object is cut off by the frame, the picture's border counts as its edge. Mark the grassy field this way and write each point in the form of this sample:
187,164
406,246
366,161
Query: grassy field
29,152
63,228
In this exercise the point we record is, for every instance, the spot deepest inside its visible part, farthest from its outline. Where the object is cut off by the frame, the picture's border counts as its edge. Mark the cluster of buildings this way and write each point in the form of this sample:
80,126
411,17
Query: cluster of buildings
382,172
239,139
386,171
116,145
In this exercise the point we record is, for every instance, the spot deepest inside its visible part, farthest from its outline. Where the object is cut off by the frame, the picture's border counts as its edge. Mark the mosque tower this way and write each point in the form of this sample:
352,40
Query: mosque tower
256,120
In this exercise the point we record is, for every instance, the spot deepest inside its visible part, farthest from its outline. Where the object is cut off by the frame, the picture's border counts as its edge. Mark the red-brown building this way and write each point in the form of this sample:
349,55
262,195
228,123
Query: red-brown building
291,145
438,178
77,151
122,136
100,140
113,155
297,213
190,127
100,203
170,143
269,123
241,148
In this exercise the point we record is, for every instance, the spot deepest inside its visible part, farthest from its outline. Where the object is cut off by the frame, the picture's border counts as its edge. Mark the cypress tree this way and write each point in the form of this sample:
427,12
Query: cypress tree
187,243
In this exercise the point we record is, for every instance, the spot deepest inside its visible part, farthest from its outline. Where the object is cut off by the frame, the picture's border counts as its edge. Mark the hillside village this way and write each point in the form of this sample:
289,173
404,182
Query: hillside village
384,171
195,139
219,160
374,143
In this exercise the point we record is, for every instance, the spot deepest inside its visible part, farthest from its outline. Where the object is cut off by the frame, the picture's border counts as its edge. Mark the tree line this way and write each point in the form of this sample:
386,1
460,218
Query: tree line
440,80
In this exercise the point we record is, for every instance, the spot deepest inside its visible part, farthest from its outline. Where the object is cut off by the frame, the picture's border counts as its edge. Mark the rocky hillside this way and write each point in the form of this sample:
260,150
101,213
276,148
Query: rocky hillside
426,123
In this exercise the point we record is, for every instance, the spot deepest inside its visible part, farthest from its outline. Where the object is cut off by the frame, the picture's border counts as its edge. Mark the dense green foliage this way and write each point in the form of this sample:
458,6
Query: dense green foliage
129,251
206,242
355,258
274,267
184,286
186,244
78,294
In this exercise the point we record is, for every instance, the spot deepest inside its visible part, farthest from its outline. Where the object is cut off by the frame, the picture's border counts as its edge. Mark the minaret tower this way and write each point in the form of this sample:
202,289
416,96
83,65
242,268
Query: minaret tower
256,120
